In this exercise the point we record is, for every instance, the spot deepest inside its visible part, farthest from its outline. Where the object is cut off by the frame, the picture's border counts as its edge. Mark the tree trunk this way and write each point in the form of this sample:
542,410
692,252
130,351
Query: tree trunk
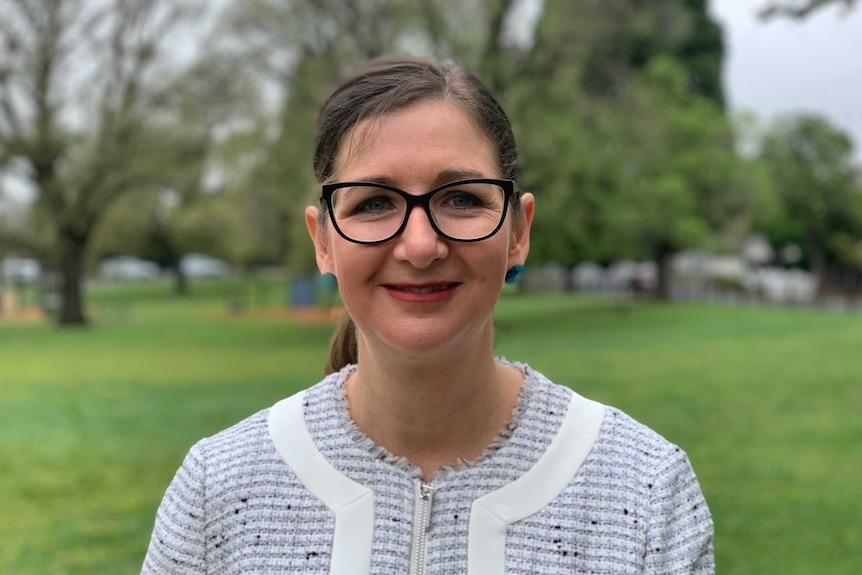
491,65
181,285
72,249
817,265
664,260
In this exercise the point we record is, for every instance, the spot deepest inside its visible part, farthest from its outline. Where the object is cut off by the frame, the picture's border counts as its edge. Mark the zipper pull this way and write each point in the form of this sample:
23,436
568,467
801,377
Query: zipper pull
426,491
421,527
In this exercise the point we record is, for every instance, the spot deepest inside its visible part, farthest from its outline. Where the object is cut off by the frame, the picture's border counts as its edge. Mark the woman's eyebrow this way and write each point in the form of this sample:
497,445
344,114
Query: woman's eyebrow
447,175
381,179
458,174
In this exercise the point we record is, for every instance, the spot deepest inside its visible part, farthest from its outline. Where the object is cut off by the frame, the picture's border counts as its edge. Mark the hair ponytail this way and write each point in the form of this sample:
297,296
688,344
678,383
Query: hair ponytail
342,346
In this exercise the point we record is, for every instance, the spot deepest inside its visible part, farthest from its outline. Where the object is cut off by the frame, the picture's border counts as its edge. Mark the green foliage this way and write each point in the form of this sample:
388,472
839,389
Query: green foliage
682,189
649,172
623,135
811,163
702,53
96,422
616,38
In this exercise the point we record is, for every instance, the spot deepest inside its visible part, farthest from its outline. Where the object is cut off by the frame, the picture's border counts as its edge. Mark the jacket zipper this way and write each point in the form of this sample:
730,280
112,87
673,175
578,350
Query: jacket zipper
421,525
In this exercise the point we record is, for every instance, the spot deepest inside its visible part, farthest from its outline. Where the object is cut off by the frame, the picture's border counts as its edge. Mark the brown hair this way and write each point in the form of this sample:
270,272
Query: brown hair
387,85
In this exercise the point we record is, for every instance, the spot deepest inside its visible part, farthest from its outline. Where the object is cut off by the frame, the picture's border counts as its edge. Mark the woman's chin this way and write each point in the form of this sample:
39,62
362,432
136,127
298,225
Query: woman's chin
430,341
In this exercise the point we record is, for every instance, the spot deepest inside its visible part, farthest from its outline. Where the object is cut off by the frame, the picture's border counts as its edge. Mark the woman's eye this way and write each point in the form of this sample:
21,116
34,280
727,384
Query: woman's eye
462,200
374,205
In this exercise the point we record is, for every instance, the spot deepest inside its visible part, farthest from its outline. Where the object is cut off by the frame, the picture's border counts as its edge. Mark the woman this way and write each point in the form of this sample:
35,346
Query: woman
421,452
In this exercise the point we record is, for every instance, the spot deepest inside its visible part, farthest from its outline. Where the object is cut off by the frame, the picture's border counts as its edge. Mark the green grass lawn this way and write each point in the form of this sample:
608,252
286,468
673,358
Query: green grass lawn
94,422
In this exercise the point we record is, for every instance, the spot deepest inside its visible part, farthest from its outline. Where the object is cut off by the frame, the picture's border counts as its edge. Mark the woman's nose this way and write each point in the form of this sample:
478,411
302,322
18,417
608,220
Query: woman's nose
419,243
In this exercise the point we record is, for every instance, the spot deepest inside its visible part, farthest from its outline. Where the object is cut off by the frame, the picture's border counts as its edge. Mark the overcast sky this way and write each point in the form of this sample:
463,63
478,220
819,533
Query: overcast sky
778,67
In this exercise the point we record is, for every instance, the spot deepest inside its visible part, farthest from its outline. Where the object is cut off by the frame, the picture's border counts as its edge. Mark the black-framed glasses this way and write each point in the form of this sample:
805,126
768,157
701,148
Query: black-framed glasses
463,211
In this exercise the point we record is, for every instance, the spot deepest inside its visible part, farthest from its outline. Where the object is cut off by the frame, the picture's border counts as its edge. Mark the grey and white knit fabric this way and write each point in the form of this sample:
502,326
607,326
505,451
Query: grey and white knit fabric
236,507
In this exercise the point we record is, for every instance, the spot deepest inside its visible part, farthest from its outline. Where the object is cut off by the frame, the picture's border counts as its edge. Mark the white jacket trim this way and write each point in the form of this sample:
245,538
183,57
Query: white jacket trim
493,513
352,503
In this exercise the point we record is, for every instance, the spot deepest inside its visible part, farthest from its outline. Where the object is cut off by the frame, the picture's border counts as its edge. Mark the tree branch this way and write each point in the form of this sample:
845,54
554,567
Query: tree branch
798,9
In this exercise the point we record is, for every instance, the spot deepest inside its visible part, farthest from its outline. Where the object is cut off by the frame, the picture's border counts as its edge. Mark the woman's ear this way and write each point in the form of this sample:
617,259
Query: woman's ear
320,240
520,244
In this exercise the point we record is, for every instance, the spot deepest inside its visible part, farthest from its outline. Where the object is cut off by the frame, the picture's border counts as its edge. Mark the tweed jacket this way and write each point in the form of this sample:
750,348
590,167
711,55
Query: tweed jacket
570,486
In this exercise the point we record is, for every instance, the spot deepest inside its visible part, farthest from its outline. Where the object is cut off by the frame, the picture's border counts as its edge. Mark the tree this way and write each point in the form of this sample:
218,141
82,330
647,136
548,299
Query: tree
623,135
611,40
186,206
811,163
77,81
799,9
684,185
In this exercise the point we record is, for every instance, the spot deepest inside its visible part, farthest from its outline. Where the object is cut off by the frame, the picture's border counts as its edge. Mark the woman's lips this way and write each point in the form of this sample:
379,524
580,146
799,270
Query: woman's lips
421,293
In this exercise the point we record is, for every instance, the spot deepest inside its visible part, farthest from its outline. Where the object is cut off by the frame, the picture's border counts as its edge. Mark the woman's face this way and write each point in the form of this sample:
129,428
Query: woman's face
420,293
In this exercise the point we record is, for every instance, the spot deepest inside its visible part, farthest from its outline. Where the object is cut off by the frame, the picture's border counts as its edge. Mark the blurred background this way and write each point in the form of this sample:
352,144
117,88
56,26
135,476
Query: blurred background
696,253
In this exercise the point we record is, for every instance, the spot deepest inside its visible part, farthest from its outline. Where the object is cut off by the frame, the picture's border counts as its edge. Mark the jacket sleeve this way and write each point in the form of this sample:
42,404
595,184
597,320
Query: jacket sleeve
177,545
680,531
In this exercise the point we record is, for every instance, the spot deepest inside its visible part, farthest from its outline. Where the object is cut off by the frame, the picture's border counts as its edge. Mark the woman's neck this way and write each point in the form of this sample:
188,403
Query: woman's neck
432,412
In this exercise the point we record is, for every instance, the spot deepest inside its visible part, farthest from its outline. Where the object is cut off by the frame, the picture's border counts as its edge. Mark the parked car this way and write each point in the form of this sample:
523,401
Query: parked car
203,266
127,268
20,270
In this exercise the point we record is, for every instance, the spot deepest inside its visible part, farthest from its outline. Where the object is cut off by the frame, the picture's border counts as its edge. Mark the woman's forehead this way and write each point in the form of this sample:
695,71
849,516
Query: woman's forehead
420,133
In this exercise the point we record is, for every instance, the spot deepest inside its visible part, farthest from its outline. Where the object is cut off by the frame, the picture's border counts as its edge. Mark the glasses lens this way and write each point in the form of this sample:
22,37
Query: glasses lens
463,211
468,211
367,213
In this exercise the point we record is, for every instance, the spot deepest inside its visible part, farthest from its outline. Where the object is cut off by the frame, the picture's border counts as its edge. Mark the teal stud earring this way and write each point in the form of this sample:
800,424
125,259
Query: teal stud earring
513,273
